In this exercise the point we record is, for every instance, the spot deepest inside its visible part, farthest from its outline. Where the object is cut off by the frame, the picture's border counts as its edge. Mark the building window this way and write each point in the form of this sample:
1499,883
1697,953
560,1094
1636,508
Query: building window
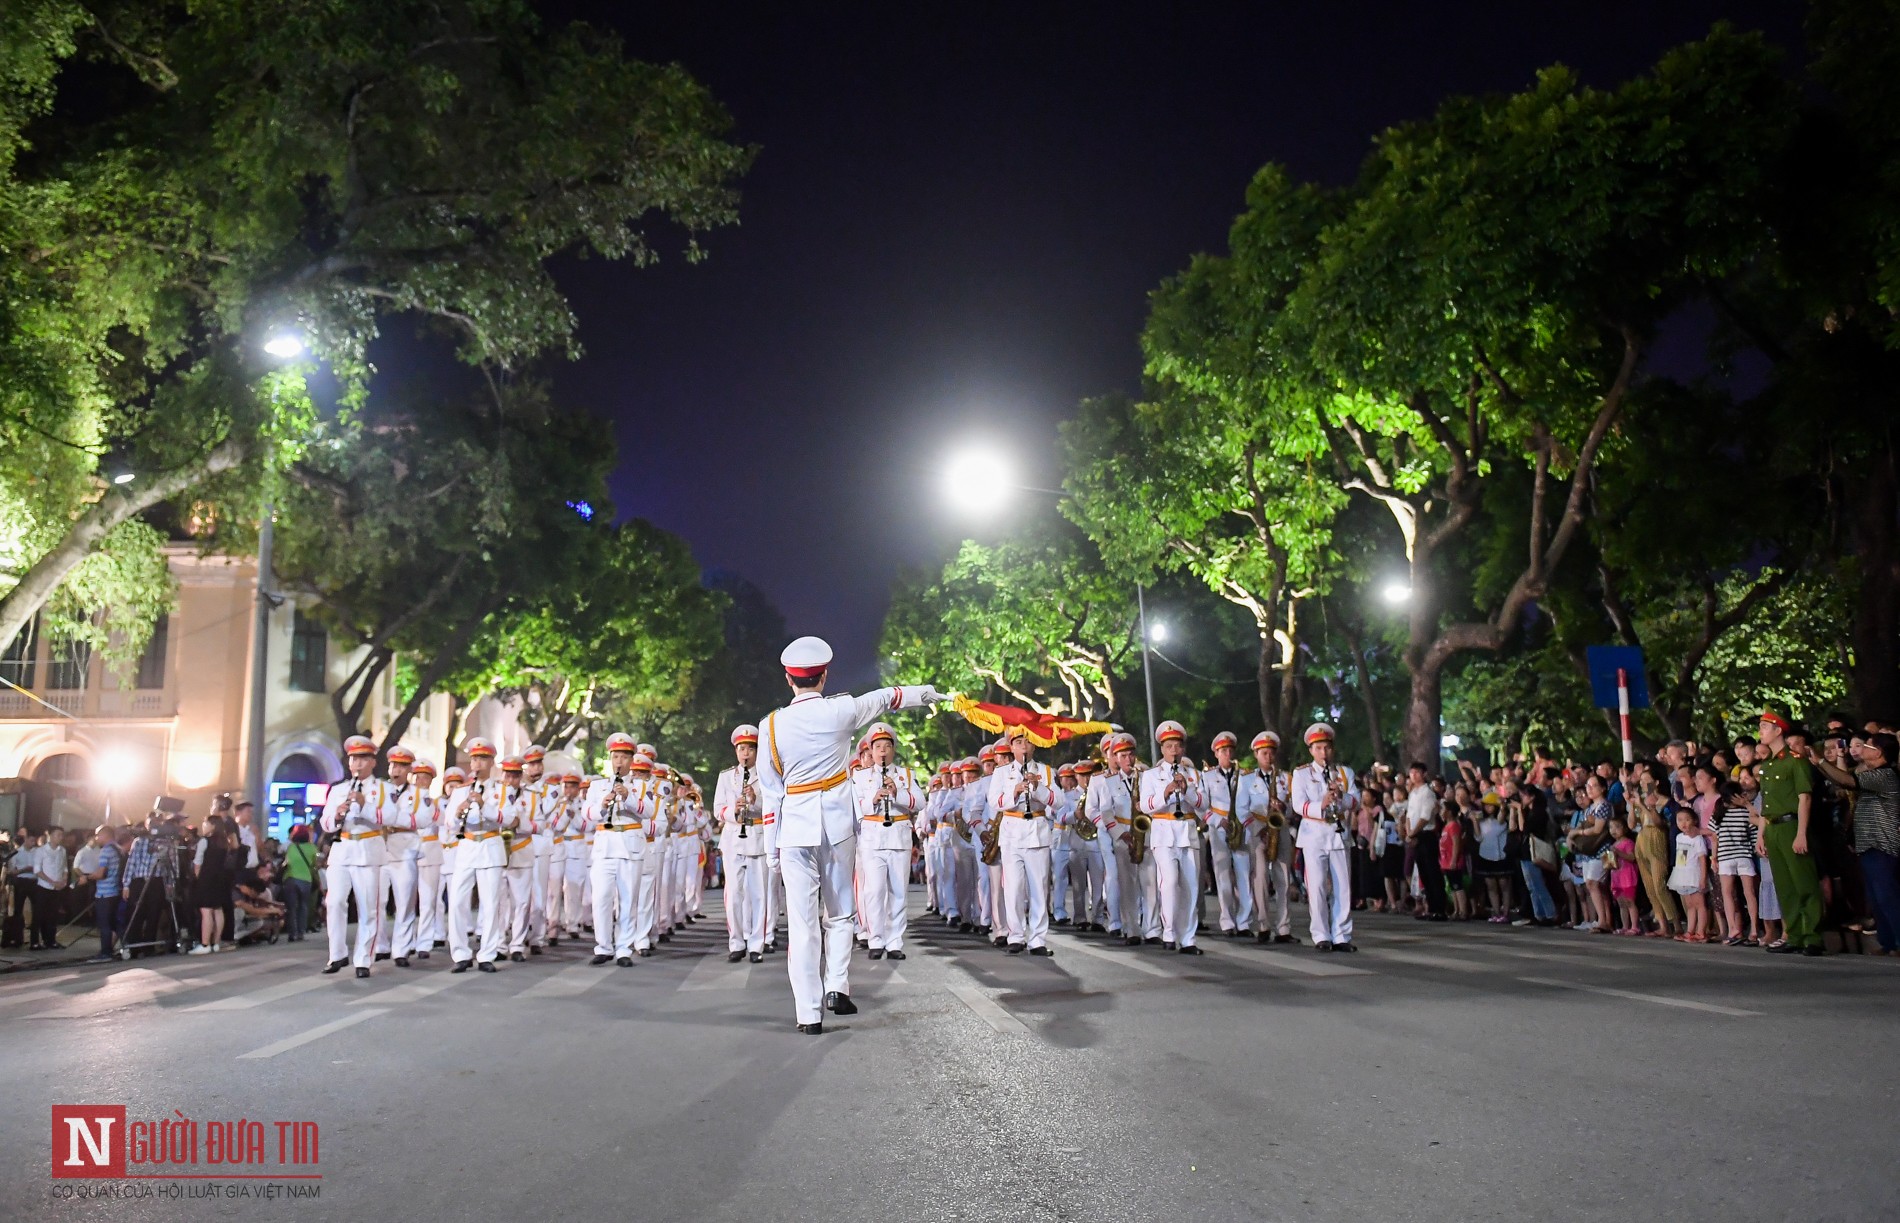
309,654
17,664
152,661
67,768
66,669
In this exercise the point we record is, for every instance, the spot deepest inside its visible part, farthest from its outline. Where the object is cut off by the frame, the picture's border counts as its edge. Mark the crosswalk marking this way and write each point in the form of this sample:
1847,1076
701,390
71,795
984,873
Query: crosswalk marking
32,995
990,1011
409,991
309,1034
1435,961
1574,961
36,982
136,986
1658,999
1283,961
258,997
713,973
1126,961
569,982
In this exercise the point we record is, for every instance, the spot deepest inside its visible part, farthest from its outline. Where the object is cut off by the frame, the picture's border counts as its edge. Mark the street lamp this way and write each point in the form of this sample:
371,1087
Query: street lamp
124,477
1157,632
285,345
1396,592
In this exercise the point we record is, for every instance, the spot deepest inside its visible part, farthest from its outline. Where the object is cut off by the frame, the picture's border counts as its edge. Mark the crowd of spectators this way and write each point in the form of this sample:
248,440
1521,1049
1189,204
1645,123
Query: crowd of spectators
1767,842
151,888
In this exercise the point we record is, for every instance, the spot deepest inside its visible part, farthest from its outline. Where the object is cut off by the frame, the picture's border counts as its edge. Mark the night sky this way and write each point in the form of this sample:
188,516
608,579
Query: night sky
952,225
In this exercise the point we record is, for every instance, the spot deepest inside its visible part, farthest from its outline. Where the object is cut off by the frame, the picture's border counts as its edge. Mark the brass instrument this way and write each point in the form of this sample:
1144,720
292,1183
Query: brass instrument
1079,823
1139,826
993,842
1236,830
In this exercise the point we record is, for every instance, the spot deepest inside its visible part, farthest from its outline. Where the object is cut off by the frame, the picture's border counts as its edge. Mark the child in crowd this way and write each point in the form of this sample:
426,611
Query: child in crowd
1690,878
1451,860
1735,867
1625,877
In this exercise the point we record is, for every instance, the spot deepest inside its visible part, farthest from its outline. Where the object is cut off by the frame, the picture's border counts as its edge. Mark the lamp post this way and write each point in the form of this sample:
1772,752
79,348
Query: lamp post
286,345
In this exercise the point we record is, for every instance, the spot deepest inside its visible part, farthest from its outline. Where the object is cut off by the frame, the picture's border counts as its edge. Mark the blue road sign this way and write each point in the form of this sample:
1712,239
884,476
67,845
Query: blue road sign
1605,660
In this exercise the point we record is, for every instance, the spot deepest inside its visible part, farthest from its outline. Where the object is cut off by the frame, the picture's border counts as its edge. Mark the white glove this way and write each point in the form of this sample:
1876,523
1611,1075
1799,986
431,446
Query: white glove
933,697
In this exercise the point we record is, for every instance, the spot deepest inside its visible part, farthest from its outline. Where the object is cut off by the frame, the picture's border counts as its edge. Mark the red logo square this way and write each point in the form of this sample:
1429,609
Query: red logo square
88,1140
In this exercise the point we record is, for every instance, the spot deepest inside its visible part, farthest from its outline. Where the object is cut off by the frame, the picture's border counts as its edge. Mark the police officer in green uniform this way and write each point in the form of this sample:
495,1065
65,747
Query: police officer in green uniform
1787,804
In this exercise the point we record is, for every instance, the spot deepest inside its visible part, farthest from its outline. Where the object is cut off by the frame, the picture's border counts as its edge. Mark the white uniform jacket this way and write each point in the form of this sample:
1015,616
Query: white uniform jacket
1111,804
361,842
1171,831
726,808
1317,833
865,784
476,811
1027,820
805,748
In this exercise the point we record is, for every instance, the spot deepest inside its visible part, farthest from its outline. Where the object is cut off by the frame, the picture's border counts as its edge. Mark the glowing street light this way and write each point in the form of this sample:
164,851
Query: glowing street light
1396,592
978,480
123,477
285,345
1157,633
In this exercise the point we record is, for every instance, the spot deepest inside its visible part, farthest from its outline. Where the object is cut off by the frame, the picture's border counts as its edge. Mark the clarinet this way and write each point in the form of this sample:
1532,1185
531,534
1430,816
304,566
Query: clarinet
745,779
884,803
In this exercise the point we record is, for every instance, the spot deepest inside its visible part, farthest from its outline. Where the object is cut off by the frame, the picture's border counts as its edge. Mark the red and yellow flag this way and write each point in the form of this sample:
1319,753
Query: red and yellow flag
1043,729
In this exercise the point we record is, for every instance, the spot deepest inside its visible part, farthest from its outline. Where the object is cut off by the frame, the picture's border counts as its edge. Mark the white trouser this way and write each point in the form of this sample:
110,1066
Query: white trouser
932,850
574,889
984,915
818,884
538,914
429,926
1026,894
616,883
746,877
948,899
1149,882
647,898
1059,876
969,880
1087,862
659,868
886,895
774,899
1329,878
695,877
1178,889
398,937
363,882
469,882
1111,893
517,881
685,866
861,927
1270,912
1236,888
556,898
1127,890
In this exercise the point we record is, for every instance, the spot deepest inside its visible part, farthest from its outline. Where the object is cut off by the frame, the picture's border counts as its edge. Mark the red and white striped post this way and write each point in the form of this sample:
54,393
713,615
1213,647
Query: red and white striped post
1623,712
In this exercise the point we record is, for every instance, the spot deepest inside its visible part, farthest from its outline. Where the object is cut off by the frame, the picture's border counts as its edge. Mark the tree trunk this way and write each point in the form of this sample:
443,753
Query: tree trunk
1268,693
1423,707
1874,678
1355,642
1290,673
445,658
120,504
449,735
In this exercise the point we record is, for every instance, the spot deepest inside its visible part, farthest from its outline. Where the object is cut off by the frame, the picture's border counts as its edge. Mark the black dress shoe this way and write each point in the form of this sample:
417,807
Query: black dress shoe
1061,921
757,957
645,951
461,966
486,966
1190,949
1001,940
600,959
667,937
840,1004
1814,951
877,953
441,942
625,961
1016,948
1040,951
895,955
534,951
1263,937
422,955
362,973
1167,946
964,927
771,946
402,961
811,1029
381,956
1131,941
864,944
1344,947
518,958
733,957
1286,938
553,941
1151,940
1322,945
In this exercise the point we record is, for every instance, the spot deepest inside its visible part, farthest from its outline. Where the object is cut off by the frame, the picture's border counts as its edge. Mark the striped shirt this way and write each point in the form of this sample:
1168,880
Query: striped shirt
1735,835
1877,810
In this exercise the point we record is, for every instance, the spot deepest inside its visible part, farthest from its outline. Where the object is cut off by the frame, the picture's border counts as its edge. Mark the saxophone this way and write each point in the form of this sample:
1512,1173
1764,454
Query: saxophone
1138,826
1236,830
1276,818
1079,823
993,842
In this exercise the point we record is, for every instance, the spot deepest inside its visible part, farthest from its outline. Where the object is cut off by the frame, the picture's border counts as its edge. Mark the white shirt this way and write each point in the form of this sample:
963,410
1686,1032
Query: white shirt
1036,830
1317,833
872,830
1171,831
361,842
1227,799
728,811
1421,809
804,749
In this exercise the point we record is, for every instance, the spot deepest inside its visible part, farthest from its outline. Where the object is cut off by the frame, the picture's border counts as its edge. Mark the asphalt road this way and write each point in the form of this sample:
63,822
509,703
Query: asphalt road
1469,1072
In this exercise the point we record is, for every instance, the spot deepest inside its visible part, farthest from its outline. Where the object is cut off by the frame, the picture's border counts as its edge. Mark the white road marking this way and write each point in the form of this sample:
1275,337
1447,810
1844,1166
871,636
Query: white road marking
1132,960
317,1033
32,995
36,982
135,986
1289,961
1658,999
569,982
258,997
711,973
1436,961
1574,961
990,1011
410,991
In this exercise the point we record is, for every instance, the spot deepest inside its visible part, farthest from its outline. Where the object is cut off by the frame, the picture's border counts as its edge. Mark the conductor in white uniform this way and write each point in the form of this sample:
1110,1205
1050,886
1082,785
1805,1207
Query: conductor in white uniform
803,773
